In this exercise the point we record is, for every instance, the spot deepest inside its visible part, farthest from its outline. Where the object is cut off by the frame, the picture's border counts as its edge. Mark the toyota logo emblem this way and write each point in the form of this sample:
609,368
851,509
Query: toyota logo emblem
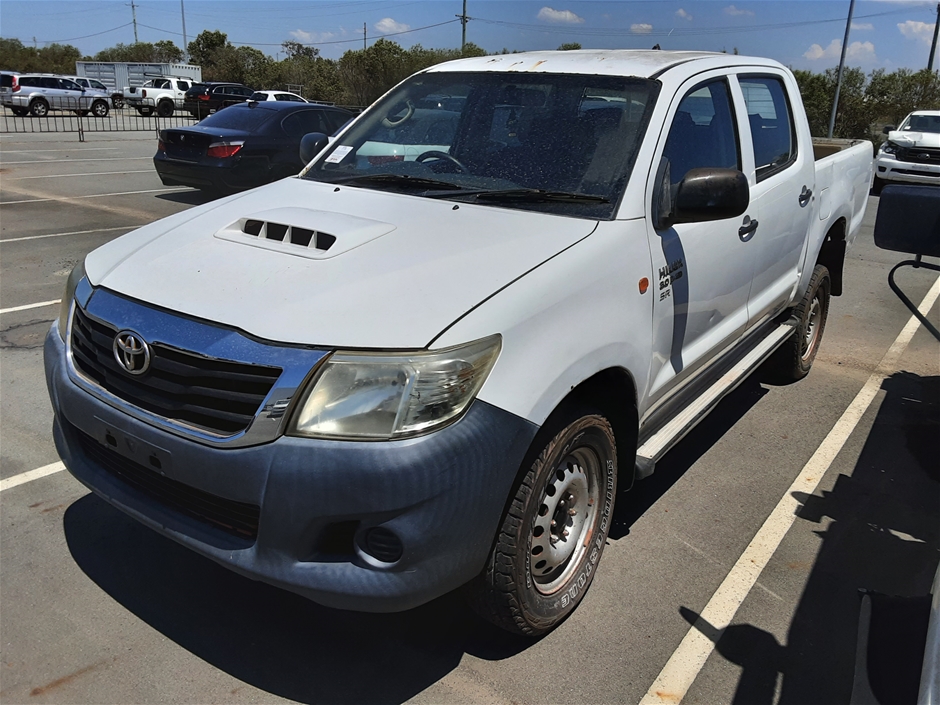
131,352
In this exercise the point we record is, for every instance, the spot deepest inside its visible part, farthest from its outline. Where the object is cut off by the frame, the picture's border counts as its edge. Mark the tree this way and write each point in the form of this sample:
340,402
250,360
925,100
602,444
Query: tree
206,43
166,52
569,46
296,50
163,52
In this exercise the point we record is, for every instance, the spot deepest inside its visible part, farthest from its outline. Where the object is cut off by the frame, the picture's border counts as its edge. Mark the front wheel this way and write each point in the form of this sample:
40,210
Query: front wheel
100,109
554,531
876,186
792,360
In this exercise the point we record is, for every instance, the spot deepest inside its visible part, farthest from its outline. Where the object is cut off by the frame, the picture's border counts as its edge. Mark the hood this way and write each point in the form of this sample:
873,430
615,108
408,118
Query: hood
905,138
311,263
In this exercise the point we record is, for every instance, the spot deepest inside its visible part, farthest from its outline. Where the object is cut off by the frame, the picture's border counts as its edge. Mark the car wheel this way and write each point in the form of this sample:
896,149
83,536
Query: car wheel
100,109
39,108
20,112
145,112
554,531
792,360
165,108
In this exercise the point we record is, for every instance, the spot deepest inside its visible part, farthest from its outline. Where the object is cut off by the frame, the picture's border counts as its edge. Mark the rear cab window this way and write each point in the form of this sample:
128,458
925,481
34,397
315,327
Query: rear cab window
773,132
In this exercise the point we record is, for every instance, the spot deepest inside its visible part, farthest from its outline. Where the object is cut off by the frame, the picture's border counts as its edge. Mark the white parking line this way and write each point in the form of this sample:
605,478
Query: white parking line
94,195
93,173
72,161
31,475
26,307
62,149
677,676
74,232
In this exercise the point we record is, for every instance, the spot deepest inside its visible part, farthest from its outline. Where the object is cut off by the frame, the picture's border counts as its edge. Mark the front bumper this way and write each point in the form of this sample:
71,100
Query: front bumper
890,169
442,495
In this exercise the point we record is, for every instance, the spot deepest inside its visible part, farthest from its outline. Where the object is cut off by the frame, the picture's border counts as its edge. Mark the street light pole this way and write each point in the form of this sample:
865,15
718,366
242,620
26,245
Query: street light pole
933,47
185,43
845,45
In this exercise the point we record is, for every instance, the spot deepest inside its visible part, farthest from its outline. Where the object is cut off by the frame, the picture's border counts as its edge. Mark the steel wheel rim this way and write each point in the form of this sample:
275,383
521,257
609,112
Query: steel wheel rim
812,327
570,499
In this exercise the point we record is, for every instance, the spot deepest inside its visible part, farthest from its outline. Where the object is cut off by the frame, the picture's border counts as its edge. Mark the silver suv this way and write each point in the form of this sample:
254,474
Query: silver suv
38,93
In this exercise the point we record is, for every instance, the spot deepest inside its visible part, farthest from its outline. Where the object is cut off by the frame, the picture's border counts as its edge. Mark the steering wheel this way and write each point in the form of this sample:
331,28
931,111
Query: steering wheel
409,111
436,154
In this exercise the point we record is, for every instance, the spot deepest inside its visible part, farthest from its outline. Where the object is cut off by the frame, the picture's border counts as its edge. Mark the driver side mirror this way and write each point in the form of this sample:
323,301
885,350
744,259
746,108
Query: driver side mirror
702,195
311,144
888,128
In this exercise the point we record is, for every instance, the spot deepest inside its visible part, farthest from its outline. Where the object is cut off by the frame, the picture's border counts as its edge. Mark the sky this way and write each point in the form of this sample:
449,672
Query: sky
803,34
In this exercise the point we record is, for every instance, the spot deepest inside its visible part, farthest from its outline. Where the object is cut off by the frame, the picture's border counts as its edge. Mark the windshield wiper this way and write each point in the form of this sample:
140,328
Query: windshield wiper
417,182
536,194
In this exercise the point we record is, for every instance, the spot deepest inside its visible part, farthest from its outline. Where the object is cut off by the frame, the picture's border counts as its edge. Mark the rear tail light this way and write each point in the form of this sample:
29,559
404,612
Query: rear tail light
202,97
220,150
16,85
160,146
378,161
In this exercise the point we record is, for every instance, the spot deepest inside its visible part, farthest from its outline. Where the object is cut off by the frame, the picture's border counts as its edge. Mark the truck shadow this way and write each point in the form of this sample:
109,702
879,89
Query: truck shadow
878,530
271,639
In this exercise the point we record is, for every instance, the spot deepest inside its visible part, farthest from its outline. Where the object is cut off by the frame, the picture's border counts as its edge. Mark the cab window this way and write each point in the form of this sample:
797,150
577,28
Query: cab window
772,130
703,132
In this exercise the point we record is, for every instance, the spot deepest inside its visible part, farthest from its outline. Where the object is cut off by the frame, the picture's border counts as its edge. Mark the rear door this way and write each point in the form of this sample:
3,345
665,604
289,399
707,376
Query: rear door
782,187
703,270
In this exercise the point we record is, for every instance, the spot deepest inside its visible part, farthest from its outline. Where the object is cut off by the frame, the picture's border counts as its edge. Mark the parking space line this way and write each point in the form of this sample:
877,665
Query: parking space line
93,173
74,232
62,149
677,676
26,307
31,475
93,195
72,161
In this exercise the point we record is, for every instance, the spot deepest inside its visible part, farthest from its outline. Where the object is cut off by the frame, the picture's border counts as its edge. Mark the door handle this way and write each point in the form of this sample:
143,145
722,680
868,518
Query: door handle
805,195
747,228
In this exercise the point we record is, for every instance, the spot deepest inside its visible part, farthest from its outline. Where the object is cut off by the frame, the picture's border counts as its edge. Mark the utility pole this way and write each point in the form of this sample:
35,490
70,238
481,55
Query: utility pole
933,47
134,14
463,26
845,45
363,36
185,43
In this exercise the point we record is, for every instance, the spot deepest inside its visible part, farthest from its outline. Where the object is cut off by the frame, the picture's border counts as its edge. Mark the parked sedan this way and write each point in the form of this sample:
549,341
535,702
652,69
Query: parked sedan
243,146
205,98
278,95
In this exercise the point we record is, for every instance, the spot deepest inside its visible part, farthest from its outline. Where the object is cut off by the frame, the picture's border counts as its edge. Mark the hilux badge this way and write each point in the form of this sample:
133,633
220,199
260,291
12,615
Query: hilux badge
131,352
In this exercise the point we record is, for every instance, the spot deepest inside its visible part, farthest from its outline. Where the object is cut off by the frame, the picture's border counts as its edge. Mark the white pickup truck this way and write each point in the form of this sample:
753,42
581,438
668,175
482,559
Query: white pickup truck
158,95
386,378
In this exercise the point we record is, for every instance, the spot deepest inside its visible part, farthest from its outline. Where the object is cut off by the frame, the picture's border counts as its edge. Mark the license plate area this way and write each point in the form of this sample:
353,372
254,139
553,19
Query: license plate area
142,452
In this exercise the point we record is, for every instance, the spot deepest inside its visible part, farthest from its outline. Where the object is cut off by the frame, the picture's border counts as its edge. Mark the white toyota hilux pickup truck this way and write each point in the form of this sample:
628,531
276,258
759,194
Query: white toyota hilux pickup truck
386,378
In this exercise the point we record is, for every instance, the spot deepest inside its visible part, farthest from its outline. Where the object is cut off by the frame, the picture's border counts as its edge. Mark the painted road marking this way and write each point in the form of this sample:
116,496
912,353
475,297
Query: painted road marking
61,176
29,306
62,149
94,195
74,232
677,676
72,161
31,475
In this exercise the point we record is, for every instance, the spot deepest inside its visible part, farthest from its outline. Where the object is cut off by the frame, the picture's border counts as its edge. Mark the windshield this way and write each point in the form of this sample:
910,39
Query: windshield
921,123
557,143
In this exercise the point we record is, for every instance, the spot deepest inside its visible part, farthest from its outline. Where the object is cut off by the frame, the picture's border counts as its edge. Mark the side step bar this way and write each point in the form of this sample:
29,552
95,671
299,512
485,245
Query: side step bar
675,430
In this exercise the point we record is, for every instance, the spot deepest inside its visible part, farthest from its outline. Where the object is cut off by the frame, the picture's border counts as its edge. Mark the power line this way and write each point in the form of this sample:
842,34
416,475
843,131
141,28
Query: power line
96,34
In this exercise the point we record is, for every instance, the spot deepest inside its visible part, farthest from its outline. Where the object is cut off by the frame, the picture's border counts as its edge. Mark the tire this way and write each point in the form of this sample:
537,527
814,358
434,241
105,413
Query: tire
792,361
118,103
80,113
145,112
20,112
100,109
164,108
554,531
876,186
39,108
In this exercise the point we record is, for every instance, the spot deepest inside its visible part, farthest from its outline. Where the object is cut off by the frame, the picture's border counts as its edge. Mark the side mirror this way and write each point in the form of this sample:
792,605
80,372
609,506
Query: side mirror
888,128
909,220
703,195
311,144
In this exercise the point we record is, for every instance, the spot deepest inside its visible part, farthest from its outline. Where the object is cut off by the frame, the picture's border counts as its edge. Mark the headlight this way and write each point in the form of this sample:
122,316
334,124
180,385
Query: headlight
889,148
78,273
374,396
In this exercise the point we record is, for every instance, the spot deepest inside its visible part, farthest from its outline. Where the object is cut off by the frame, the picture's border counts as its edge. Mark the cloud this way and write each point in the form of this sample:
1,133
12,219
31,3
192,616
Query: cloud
547,14
732,10
862,25
312,37
642,28
917,30
857,51
388,26
682,14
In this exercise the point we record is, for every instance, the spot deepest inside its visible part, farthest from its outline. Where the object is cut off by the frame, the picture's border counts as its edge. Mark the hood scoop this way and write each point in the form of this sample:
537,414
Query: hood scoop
304,232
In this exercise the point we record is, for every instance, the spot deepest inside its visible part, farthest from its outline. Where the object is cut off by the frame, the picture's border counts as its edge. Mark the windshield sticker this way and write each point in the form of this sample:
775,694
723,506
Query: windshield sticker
338,154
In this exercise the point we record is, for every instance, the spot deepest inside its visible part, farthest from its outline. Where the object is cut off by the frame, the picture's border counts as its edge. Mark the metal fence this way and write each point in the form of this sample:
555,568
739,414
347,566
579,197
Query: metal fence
67,116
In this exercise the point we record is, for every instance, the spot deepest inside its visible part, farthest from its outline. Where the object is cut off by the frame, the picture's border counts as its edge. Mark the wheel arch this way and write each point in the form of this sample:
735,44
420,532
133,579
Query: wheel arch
832,254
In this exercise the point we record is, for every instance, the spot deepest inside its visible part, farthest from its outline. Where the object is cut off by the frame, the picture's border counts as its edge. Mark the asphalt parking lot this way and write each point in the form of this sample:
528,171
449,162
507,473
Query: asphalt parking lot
768,517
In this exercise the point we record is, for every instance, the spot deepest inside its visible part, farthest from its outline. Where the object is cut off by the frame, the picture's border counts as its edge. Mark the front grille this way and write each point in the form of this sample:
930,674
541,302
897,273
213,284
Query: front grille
235,518
919,155
220,396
